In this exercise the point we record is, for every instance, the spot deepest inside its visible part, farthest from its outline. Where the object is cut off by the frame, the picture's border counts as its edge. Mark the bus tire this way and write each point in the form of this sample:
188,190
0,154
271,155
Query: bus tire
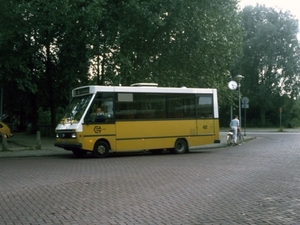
180,146
101,149
79,153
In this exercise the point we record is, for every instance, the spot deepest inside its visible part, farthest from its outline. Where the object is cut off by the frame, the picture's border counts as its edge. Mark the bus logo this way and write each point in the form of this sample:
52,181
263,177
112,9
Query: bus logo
97,129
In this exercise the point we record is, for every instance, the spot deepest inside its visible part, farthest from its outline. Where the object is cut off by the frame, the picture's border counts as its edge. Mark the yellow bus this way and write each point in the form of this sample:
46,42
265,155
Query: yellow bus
140,117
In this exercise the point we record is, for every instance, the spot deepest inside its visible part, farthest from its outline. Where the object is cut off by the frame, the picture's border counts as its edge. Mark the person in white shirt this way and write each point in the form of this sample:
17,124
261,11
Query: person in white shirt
234,125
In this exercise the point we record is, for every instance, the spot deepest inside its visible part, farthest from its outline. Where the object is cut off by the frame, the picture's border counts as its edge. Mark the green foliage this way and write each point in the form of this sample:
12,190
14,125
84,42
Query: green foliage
44,51
271,60
179,43
47,48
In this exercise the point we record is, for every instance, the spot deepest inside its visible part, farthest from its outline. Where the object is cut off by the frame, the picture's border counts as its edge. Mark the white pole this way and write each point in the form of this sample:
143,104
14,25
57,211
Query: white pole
240,114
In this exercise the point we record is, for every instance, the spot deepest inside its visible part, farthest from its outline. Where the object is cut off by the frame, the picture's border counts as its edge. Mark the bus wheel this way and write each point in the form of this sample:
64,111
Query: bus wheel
101,149
79,153
180,146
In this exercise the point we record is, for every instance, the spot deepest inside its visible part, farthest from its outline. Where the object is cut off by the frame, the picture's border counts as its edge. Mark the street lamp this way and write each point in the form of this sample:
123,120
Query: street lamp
238,78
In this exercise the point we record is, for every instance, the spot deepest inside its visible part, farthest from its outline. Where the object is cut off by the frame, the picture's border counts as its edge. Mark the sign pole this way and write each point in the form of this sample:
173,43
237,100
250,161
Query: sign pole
245,123
232,86
245,105
280,112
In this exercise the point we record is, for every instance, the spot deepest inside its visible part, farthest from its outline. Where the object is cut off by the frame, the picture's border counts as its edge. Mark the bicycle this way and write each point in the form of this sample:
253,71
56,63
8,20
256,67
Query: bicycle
230,140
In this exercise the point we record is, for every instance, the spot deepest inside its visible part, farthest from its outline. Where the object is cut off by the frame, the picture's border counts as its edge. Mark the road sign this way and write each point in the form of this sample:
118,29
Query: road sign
245,103
245,106
232,85
245,100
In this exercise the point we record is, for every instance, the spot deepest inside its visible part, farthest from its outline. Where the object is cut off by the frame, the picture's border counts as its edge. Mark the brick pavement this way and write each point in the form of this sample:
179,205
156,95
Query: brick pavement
256,183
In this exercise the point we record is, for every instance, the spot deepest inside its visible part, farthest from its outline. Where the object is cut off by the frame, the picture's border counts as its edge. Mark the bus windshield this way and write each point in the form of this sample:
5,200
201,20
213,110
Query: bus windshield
76,109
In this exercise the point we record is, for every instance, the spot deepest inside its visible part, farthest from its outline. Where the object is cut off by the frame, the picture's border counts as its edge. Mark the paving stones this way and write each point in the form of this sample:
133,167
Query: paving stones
255,183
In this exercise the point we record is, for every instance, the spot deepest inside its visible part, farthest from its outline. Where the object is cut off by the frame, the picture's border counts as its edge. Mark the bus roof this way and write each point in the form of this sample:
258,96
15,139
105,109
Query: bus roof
140,89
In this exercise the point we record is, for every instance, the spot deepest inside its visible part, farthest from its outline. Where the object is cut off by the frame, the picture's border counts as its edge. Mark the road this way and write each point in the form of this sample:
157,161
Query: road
255,183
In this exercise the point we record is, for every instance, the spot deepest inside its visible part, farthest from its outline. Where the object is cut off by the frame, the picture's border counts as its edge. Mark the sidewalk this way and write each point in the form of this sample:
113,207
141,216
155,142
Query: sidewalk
25,145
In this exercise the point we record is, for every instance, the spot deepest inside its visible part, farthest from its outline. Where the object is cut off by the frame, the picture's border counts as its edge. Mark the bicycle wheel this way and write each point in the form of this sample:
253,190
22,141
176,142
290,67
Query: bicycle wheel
240,139
229,140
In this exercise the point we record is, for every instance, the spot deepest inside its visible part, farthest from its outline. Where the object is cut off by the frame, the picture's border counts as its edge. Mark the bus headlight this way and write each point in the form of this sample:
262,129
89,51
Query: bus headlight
74,135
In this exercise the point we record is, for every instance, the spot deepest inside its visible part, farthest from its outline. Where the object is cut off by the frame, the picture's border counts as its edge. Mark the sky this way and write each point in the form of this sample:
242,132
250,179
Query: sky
284,5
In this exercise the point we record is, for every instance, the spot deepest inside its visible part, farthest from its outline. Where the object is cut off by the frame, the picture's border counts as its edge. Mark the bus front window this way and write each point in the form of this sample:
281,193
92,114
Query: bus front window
76,109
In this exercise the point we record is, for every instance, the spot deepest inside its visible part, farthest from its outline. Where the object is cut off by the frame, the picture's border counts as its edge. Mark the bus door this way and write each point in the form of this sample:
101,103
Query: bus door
99,122
205,118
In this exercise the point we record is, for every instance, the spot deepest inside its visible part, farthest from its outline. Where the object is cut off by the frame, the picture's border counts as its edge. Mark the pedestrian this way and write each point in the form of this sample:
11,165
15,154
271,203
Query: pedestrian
235,125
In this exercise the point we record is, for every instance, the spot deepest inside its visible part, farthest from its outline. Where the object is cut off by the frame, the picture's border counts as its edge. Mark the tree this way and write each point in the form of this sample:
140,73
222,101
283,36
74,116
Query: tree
174,43
44,51
271,58
182,43
47,47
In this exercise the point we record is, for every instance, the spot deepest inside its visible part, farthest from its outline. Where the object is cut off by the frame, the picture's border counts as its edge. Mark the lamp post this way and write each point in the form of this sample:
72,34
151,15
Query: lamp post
238,78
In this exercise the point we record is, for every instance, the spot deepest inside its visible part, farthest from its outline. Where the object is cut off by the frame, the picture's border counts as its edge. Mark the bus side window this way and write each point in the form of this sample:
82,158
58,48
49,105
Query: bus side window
101,109
175,107
205,106
125,110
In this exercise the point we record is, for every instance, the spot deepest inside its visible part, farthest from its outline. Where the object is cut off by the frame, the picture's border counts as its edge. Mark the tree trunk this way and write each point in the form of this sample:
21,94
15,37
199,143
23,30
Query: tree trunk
263,117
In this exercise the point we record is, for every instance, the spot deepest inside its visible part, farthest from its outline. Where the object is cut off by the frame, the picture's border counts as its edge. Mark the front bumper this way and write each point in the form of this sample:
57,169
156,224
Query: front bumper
68,146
